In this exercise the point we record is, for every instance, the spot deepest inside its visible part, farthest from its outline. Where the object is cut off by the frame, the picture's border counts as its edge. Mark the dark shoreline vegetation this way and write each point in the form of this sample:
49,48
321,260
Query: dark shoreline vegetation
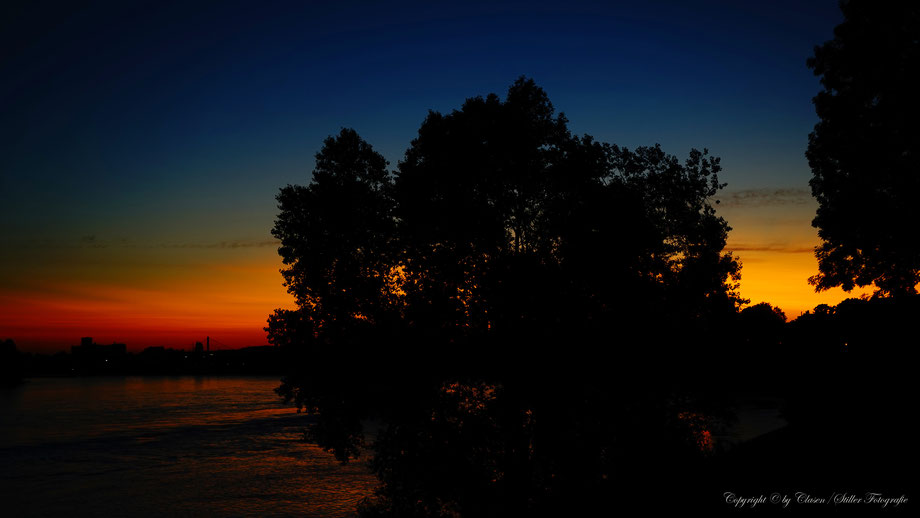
541,324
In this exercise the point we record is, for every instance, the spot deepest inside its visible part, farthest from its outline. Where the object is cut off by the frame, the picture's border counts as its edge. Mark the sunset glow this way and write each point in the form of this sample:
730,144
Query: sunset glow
123,301
138,203
176,295
773,237
125,295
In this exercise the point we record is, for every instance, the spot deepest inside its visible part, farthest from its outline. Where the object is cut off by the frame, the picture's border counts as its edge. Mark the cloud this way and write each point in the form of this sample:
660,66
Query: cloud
765,197
782,248
223,244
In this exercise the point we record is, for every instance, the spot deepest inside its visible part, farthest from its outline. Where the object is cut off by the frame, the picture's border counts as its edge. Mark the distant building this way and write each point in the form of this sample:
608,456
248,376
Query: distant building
88,348
92,357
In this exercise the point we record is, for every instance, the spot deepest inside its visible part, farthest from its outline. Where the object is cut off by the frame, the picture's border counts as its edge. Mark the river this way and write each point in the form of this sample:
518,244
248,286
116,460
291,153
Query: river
165,446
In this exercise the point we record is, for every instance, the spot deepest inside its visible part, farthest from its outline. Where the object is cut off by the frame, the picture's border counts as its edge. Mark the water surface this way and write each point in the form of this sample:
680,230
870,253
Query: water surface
173,446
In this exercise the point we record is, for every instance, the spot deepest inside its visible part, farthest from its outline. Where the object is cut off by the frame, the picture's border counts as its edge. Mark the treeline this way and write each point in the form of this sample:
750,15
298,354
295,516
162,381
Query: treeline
876,326
18,365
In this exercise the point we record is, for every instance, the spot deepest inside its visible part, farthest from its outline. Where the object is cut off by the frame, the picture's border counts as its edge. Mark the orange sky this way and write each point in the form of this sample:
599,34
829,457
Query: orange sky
138,199
146,296
177,294
773,237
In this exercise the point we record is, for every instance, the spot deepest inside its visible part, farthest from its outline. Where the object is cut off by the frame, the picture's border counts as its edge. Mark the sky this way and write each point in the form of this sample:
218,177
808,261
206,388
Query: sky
142,143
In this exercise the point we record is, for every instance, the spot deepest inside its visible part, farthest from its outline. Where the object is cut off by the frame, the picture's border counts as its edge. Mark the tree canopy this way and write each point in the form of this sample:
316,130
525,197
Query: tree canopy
865,150
502,253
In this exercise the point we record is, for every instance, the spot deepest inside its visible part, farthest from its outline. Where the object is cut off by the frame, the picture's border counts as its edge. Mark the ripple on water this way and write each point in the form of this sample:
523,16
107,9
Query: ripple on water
166,446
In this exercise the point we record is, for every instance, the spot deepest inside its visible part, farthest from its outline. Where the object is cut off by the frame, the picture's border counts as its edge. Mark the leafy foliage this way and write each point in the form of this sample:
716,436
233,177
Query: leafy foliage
865,150
504,252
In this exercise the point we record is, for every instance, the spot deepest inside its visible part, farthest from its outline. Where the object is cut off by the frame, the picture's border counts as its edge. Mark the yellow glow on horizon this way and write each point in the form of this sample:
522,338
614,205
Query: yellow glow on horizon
174,296
781,278
775,243
135,302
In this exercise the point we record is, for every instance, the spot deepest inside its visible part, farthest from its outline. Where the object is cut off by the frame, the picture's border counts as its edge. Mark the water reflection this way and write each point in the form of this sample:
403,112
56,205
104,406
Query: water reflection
699,425
166,446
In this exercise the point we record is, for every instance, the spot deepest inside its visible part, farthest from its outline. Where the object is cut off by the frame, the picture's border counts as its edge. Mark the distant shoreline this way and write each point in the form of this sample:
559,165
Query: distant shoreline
114,360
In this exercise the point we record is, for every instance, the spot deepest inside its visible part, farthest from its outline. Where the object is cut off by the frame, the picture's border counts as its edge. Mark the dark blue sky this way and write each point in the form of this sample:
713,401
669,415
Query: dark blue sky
175,123
146,106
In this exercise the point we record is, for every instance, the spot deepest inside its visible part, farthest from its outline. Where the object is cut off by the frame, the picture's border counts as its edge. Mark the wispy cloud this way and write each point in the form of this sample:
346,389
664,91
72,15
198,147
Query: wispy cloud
764,197
782,248
223,244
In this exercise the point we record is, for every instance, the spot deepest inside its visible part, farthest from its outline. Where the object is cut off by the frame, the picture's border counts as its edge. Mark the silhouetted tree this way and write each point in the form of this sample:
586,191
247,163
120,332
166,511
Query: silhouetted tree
334,233
472,306
865,151
761,327
498,194
699,279
336,238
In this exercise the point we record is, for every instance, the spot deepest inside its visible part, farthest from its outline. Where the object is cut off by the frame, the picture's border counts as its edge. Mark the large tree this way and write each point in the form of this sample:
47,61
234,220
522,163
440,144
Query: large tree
499,194
865,150
472,302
